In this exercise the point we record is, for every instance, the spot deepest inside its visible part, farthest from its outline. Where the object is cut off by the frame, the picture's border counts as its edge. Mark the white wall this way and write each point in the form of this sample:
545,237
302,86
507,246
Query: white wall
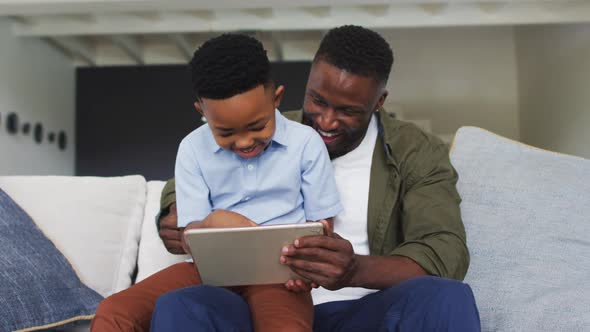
451,77
38,83
456,76
554,78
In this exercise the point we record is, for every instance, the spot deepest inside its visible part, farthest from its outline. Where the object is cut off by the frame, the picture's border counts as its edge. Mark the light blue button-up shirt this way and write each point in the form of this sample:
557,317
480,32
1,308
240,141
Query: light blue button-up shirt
290,182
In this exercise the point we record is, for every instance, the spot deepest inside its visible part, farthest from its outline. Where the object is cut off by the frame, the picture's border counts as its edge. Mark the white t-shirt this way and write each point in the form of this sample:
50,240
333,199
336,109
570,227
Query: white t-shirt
353,173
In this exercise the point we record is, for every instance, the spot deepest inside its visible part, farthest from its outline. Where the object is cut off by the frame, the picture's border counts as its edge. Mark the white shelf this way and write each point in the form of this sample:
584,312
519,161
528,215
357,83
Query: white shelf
81,27
82,17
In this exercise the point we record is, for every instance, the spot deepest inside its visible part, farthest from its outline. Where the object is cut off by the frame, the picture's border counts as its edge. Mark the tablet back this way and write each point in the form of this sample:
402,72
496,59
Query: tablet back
245,255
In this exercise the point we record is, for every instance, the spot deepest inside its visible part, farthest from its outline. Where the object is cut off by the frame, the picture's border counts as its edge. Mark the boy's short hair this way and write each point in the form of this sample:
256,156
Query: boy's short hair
357,50
228,65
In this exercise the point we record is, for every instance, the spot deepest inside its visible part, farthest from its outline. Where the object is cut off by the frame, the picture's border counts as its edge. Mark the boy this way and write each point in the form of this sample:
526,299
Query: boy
250,166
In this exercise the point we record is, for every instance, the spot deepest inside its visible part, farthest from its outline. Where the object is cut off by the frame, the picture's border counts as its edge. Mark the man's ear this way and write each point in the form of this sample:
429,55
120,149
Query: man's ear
198,107
381,100
279,92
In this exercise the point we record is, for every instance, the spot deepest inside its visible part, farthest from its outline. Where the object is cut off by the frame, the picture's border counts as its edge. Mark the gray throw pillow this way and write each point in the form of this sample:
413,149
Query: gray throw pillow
38,287
527,217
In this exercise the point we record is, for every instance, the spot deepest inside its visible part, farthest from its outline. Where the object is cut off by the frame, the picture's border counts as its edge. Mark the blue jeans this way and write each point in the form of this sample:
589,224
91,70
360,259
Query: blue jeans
420,304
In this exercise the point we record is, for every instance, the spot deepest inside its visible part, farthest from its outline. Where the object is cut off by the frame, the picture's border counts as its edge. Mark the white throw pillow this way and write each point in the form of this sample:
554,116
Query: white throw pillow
95,222
153,255
527,216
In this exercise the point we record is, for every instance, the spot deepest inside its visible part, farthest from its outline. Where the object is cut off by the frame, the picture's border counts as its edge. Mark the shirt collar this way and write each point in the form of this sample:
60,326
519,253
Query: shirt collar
213,145
280,135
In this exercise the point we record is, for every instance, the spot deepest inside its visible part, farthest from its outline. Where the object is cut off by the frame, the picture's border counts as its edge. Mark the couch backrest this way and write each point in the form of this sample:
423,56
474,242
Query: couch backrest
153,256
95,222
527,217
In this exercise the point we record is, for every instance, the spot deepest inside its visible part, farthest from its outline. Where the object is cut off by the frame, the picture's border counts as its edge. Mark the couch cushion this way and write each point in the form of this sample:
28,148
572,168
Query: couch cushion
38,287
153,256
527,217
95,222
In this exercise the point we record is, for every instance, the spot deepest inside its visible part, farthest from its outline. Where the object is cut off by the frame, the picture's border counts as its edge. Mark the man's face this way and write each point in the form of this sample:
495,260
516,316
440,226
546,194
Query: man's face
244,123
339,106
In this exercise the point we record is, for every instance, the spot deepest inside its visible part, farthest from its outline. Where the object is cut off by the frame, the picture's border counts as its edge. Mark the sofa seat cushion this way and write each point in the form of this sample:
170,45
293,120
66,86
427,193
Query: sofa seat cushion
94,221
39,289
527,217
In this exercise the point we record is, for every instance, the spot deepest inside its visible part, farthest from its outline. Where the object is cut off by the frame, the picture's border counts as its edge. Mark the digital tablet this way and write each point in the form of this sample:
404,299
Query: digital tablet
245,255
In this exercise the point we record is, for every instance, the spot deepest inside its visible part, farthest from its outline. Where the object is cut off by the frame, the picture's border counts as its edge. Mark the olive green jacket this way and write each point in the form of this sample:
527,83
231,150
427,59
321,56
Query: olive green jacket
413,202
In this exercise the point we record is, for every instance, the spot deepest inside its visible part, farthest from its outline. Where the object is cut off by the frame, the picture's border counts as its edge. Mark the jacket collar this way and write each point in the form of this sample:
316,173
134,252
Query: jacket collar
388,127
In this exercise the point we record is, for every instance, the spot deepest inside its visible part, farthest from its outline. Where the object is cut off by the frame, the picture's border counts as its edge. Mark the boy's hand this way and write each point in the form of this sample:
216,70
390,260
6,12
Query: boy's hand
218,219
299,286
224,218
328,226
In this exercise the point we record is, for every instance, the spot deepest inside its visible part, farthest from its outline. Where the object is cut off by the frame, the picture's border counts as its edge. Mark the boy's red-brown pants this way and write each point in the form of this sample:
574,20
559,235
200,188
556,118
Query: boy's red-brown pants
272,307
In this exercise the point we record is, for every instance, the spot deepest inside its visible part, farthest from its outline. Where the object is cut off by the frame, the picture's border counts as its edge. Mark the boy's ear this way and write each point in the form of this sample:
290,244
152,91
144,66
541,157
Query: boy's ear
198,107
279,91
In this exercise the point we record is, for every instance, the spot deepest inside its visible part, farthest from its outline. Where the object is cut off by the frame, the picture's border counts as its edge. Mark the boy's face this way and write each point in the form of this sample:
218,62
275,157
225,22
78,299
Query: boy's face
244,123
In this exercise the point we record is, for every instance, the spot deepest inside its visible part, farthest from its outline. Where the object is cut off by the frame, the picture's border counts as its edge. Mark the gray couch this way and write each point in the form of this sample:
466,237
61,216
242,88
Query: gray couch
527,217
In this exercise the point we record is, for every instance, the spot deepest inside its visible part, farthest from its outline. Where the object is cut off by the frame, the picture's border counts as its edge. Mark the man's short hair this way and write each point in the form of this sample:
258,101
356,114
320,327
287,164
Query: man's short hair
228,65
357,50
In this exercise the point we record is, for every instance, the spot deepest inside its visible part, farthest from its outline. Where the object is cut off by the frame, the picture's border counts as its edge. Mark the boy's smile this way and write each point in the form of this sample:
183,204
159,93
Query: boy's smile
244,123
250,152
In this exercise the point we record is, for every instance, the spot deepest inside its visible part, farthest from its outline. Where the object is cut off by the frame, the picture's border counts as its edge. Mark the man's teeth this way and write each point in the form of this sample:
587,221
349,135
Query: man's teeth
248,150
323,133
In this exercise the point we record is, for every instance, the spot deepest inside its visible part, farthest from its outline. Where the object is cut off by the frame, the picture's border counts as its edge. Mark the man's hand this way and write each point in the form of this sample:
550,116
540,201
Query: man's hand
326,260
170,233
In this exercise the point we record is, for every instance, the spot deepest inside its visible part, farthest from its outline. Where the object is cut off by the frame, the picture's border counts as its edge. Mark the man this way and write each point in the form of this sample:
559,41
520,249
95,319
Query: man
401,227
